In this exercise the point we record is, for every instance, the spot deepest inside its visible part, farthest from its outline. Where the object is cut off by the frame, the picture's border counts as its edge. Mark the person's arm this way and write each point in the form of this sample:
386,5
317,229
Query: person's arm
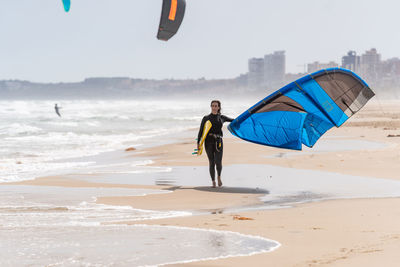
225,118
203,121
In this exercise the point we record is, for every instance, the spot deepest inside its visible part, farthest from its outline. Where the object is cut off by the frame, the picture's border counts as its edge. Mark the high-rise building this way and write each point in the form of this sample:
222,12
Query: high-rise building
370,66
391,67
274,69
390,73
255,76
351,61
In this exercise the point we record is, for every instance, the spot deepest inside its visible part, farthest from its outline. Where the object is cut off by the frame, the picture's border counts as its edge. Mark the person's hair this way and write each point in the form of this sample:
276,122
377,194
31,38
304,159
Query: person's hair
219,105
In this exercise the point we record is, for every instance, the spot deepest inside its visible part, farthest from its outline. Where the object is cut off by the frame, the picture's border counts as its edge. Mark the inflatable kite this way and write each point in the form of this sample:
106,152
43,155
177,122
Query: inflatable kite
172,15
302,111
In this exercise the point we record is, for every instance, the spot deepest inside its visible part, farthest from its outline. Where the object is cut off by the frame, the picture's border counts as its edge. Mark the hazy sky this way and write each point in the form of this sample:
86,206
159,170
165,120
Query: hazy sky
40,42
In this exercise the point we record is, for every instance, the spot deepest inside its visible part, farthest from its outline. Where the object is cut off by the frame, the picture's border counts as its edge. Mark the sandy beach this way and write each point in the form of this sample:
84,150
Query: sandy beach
342,230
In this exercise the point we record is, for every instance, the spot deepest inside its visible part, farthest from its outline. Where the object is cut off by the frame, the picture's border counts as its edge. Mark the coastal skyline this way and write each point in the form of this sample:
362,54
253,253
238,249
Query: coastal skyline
270,70
104,39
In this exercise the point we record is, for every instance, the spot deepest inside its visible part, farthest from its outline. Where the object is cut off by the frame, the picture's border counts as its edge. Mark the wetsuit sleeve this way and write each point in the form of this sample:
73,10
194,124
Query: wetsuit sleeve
225,118
203,121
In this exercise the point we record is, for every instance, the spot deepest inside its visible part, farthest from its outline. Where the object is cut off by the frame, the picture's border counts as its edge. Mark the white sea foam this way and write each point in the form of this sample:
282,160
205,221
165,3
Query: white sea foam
58,206
275,245
28,170
18,129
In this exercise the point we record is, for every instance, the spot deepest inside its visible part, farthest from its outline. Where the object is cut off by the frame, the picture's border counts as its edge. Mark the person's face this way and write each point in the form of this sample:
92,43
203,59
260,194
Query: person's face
214,108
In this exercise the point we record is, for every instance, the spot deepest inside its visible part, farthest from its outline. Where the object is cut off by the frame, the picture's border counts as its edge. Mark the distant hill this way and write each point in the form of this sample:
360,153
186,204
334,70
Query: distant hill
121,87
129,88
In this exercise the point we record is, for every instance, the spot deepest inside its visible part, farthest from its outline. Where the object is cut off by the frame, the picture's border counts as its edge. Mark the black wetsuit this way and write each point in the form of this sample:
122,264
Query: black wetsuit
213,143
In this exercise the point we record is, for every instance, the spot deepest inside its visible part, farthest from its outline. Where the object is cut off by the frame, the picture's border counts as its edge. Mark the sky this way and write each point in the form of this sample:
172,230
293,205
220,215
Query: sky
39,42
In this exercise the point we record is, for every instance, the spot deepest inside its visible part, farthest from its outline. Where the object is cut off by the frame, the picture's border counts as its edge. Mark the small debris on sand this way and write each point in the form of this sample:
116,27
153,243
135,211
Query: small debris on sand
130,149
240,218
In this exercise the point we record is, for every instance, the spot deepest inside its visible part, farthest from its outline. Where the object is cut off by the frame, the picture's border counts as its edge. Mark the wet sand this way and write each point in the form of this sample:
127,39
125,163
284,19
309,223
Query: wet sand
344,232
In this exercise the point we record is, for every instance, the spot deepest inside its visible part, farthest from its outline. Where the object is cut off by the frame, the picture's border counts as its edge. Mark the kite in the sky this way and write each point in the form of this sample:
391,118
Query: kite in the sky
172,14
302,111
67,5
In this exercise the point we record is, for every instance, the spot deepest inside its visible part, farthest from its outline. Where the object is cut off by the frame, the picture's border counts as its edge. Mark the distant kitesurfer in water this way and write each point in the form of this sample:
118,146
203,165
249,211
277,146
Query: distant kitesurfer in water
57,108
213,143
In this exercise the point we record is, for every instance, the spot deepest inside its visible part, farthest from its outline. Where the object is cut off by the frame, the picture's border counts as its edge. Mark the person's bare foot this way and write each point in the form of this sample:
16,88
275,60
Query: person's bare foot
214,184
219,181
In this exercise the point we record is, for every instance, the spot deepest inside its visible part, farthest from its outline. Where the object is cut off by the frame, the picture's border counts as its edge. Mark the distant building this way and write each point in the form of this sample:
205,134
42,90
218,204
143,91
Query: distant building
390,73
270,72
370,66
274,69
391,67
351,61
316,66
255,77
290,77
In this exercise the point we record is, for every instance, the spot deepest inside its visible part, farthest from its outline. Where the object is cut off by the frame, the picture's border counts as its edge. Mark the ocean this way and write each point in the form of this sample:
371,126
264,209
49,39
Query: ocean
36,142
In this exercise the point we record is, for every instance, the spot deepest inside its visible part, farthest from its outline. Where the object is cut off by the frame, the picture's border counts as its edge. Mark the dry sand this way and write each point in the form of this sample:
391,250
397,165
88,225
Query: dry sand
358,232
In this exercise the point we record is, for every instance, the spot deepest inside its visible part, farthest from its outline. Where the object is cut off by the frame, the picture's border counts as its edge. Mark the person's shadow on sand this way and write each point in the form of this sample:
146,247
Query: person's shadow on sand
225,189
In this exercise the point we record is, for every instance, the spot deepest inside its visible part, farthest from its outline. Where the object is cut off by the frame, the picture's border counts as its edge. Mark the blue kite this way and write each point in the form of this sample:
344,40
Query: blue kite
302,111
67,5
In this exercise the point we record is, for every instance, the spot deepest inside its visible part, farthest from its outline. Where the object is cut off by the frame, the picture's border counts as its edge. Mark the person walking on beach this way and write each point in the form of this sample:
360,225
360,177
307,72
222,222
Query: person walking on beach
213,143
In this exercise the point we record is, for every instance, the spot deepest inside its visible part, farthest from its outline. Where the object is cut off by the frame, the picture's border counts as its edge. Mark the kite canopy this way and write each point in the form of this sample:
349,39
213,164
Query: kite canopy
67,5
172,15
302,111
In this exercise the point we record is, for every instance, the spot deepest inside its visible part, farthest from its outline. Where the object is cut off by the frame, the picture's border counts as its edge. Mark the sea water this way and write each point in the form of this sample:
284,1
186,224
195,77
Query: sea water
36,142
56,226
